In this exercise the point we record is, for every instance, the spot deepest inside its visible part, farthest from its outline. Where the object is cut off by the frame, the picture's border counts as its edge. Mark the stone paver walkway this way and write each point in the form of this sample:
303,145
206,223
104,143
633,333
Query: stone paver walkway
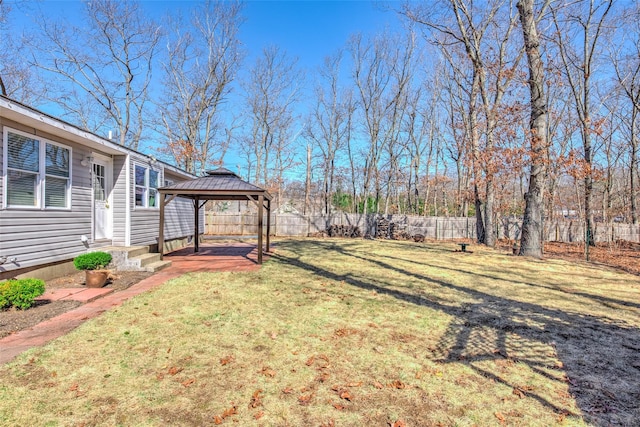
74,294
212,257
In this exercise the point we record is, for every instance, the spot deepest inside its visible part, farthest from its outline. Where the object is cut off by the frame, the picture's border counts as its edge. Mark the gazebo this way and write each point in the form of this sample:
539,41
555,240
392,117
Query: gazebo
218,184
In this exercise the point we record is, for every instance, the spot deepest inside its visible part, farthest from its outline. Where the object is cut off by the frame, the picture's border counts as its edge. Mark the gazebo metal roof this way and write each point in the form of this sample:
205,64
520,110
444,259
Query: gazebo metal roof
218,184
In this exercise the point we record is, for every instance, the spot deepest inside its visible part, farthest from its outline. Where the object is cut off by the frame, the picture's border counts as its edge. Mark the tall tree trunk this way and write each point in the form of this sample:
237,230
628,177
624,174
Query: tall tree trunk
532,225
307,186
490,235
634,159
588,189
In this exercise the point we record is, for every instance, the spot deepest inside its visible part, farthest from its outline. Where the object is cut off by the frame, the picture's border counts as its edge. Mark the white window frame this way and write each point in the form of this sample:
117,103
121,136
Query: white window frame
146,187
41,175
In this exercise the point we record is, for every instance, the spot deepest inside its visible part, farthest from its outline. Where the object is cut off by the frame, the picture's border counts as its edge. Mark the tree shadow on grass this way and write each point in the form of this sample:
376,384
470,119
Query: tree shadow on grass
598,357
606,301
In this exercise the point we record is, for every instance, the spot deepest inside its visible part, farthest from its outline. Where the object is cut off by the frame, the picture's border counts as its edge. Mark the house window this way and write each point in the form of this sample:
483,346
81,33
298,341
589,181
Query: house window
38,172
146,182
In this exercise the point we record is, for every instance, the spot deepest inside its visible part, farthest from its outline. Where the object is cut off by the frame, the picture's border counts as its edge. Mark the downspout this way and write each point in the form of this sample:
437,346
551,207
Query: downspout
127,203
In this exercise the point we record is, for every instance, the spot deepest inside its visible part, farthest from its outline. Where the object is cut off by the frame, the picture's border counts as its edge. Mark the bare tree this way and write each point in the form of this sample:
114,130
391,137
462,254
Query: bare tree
585,25
103,76
271,93
382,73
17,80
201,63
626,63
329,121
485,31
532,224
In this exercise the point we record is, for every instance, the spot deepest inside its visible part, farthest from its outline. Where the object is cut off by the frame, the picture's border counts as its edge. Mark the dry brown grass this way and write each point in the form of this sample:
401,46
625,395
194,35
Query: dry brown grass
350,332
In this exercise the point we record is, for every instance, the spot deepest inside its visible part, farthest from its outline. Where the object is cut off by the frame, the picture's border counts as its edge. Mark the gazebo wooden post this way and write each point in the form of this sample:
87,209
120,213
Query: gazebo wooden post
196,231
260,222
161,229
268,223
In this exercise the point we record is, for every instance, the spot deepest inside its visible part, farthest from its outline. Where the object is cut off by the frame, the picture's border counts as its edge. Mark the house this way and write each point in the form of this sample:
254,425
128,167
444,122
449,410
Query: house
64,191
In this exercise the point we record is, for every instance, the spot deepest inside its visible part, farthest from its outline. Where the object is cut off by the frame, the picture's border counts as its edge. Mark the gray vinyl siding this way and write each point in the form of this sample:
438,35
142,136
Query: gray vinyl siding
144,221
179,219
179,215
119,200
36,236
2,121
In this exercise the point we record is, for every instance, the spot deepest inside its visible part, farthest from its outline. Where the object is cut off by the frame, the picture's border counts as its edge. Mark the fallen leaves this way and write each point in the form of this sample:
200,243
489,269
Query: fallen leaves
226,360
268,372
229,412
344,332
344,394
397,384
304,399
75,387
520,391
174,370
189,382
256,399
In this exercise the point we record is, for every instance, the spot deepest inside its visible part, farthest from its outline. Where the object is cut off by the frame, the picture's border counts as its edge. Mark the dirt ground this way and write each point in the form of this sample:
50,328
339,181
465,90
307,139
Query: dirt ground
12,320
622,255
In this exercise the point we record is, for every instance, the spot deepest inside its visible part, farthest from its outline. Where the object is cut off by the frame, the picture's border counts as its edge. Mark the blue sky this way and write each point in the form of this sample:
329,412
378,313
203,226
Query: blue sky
308,30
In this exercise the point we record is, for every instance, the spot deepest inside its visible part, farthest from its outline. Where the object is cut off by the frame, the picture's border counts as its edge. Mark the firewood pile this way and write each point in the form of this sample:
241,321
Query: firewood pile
344,231
391,230
383,228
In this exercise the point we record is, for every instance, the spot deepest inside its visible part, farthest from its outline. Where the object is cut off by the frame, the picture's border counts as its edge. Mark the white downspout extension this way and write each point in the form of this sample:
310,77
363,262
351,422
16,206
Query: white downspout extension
127,204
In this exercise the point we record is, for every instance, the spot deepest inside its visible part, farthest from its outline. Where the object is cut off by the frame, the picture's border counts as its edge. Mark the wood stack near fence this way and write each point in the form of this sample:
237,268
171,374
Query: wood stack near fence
383,228
344,231
392,229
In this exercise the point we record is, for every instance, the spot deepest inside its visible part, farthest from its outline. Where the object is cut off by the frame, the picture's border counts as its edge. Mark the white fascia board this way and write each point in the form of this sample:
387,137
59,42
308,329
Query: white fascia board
43,122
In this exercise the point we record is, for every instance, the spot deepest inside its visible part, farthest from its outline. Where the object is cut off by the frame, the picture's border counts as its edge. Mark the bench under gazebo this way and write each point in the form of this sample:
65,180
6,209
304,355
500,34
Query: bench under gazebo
219,184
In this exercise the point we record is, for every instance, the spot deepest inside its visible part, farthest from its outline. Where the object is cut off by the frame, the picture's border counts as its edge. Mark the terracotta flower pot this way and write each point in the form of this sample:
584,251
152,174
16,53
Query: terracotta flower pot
96,278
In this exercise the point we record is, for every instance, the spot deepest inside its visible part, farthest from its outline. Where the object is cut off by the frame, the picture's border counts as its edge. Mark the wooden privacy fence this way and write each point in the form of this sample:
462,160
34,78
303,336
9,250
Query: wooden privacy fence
441,228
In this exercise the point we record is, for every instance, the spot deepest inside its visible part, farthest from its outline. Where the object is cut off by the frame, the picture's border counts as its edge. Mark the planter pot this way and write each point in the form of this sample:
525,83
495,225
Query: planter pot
96,278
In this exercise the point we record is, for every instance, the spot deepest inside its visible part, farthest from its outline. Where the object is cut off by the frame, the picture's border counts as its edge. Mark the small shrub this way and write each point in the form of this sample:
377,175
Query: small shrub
92,261
4,300
20,293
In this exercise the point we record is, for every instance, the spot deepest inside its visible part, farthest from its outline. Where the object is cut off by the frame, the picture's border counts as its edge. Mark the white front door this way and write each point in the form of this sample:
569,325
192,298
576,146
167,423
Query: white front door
101,183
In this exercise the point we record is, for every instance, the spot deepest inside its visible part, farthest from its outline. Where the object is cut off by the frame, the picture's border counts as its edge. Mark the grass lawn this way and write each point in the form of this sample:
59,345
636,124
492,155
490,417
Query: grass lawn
350,333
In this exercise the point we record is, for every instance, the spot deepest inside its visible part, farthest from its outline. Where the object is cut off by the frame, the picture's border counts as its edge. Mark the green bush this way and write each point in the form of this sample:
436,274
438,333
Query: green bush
92,261
20,293
4,300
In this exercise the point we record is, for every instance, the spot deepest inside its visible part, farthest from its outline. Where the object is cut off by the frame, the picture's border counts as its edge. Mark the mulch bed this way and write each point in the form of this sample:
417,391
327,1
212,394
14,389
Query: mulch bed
12,320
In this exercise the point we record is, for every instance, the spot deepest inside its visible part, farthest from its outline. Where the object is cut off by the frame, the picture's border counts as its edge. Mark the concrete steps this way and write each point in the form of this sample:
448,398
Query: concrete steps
135,258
